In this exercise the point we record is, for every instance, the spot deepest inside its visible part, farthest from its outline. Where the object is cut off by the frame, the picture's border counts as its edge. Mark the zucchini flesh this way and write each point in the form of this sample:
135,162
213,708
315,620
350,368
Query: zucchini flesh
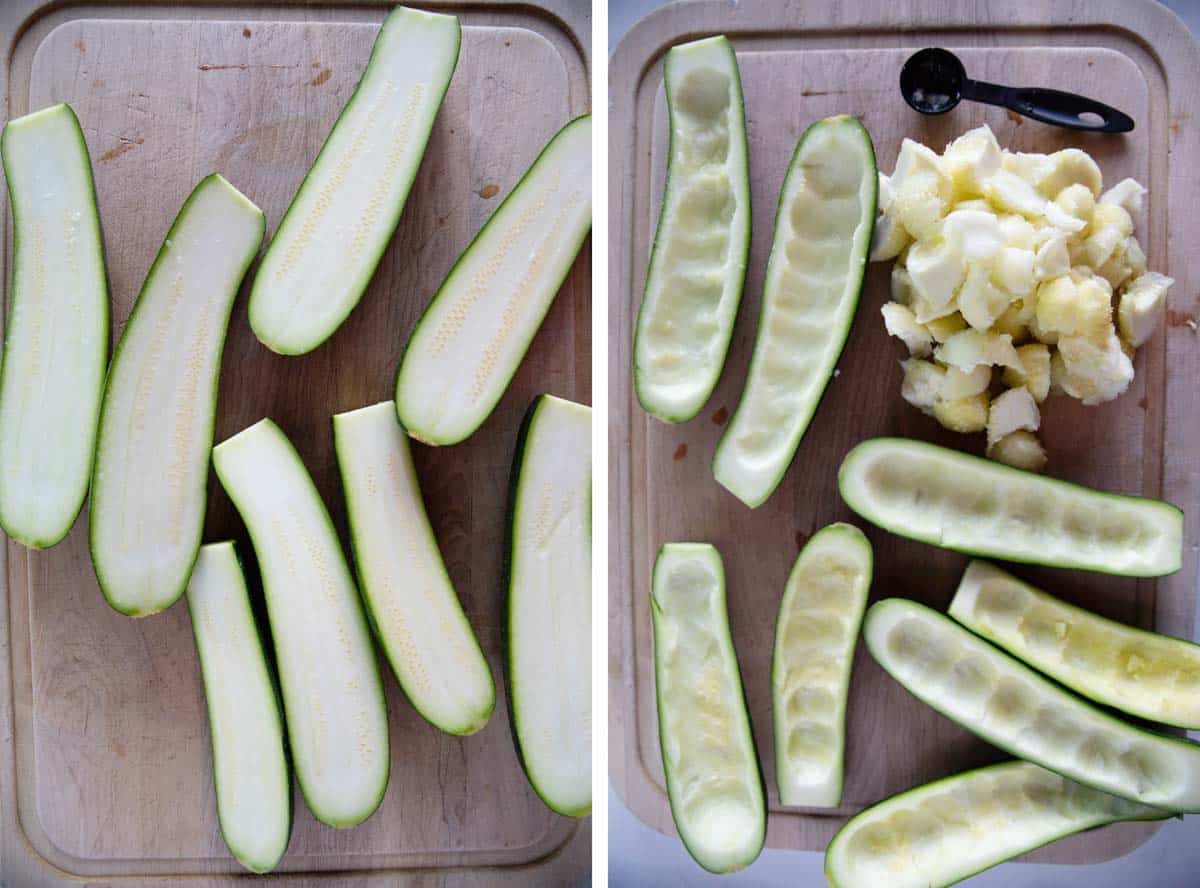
150,480
549,610
814,275
338,225
56,340
815,635
332,692
980,507
713,780
1143,673
472,337
412,604
698,261
1006,703
250,769
945,831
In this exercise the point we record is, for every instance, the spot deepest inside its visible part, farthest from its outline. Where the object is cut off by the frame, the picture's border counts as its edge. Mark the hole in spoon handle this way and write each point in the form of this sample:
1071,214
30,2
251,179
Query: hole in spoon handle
1069,110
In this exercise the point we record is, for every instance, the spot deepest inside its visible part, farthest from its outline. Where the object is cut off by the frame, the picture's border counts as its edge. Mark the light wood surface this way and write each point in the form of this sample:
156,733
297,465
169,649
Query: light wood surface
104,767
800,62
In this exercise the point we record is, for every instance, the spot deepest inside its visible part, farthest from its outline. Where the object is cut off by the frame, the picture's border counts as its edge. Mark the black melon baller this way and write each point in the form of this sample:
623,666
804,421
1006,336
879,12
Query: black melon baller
933,81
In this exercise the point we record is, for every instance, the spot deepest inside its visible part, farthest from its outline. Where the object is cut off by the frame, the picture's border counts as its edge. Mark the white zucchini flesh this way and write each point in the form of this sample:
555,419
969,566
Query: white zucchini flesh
549,619
250,769
472,337
814,276
943,832
698,261
815,635
56,339
980,507
150,481
332,691
713,779
338,225
1006,703
412,604
1142,673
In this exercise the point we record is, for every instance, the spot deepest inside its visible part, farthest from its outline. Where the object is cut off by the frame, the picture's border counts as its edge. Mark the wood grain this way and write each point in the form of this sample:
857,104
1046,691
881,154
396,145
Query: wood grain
106,759
798,65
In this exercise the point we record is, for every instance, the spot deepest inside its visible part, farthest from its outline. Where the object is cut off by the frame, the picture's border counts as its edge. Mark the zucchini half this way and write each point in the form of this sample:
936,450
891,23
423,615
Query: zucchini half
1006,703
713,780
473,335
698,260
980,507
823,228
332,692
549,607
410,600
1145,674
250,768
945,831
56,339
150,482
338,225
815,635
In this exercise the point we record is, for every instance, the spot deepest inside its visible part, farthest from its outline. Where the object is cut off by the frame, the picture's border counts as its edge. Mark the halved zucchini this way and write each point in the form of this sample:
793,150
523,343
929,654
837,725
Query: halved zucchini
339,223
1010,706
698,260
713,780
332,693
549,608
977,506
56,340
470,340
815,635
948,830
815,272
250,768
415,611
150,481
1143,673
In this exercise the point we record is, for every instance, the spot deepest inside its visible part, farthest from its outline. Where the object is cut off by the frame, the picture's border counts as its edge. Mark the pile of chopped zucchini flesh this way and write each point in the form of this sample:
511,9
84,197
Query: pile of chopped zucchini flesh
1008,267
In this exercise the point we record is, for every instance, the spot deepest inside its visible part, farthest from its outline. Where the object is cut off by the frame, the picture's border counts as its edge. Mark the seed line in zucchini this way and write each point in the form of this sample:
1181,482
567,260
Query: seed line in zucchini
977,506
823,228
713,780
150,482
1145,674
250,768
332,692
1007,704
698,260
333,235
815,635
938,834
414,608
549,610
56,339
469,342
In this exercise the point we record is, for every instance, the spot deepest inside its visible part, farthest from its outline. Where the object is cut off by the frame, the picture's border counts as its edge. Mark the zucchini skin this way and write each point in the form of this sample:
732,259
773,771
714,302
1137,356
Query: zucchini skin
104,324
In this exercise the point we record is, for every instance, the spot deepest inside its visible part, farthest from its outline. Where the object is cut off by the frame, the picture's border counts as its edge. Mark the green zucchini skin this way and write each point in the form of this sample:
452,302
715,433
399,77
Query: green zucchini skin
113,417
1105,809
650,402
1164,519
538,411
268,328
237,624
413,404
83,410
1057,712
735,471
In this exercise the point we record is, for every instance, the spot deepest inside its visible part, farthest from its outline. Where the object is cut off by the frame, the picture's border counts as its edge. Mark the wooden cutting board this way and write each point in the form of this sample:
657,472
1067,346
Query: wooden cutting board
801,62
104,766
